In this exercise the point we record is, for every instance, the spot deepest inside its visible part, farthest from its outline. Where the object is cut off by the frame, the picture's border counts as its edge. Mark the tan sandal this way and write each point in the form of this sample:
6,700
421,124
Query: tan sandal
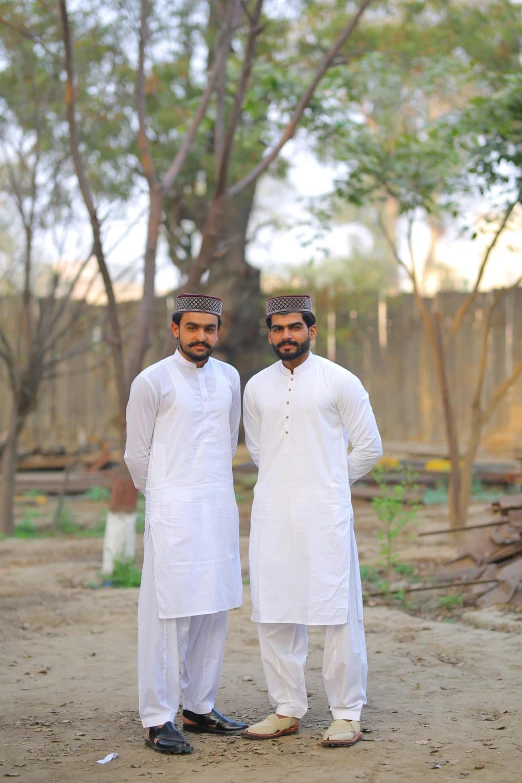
272,726
342,733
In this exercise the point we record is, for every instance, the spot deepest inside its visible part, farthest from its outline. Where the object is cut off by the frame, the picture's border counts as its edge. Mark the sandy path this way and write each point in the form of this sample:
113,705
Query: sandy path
440,694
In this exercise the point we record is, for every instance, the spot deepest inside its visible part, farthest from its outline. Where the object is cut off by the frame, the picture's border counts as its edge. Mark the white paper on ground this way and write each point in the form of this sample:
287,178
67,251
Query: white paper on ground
108,757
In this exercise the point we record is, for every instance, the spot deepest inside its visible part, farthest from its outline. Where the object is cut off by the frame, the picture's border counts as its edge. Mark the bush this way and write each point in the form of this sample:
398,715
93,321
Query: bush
98,494
125,574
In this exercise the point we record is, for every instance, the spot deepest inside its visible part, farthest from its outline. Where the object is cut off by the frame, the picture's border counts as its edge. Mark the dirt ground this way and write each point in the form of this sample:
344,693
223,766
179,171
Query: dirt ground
444,697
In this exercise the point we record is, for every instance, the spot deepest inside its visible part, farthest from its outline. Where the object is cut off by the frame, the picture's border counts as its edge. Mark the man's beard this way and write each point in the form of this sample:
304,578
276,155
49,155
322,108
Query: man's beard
289,356
196,357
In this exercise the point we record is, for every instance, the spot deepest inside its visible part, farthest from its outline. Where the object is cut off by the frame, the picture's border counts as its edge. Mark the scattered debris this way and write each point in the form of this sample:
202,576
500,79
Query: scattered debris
495,554
108,757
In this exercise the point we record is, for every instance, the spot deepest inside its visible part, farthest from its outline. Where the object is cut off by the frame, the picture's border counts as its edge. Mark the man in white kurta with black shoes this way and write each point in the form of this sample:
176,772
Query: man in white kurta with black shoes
182,427
300,415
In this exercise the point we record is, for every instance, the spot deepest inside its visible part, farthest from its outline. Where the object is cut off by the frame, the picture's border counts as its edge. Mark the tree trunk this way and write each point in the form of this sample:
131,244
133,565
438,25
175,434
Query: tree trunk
119,542
7,489
145,319
466,472
451,430
239,285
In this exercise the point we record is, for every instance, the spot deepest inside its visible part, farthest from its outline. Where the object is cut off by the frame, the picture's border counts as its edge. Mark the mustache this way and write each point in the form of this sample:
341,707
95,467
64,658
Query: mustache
204,344
287,342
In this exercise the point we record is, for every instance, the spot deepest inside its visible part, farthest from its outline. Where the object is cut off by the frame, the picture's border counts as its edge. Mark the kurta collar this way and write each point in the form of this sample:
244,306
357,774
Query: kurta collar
302,367
189,365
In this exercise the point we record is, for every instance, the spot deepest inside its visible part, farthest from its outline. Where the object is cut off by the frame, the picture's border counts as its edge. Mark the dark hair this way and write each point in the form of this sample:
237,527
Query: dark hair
308,318
176,319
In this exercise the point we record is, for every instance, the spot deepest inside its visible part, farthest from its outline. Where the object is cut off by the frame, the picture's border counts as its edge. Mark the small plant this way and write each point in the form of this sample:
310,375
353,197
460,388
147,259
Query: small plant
98,494
98,531
404,569
27,528
125,574
369,573
449,601
33,493
395,513
66,523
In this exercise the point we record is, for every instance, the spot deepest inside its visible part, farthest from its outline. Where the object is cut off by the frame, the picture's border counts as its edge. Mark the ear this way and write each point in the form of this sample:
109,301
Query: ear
313,332
270,337
175,330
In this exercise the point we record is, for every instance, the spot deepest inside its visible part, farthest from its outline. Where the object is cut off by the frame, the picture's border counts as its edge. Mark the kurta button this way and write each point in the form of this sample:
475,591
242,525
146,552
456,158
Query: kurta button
286,433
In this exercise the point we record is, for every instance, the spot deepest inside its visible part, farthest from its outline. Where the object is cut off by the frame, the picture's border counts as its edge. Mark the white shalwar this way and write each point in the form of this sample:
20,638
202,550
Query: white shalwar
304,568
182,429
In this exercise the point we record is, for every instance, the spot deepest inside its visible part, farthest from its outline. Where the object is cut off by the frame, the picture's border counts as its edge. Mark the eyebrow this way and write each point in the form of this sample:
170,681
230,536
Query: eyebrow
204,326
296,323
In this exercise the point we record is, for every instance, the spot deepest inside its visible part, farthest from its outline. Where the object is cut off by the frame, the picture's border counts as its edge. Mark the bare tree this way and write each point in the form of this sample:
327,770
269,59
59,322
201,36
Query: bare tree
462,457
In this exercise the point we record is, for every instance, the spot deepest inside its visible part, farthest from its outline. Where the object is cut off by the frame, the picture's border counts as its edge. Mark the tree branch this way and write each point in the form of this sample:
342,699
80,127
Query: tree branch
503,387
290,129
501,390
147,161
393,248
468,303
81,174
235,116
219,64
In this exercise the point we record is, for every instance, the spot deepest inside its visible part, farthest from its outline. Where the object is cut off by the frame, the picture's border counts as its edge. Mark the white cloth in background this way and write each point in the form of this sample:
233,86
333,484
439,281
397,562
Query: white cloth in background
284,648
200,643
298,425
182,429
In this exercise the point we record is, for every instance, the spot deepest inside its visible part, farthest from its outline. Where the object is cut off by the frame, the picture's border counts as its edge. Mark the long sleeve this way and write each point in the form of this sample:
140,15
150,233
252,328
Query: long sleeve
252,422
235,415
142,410
359,422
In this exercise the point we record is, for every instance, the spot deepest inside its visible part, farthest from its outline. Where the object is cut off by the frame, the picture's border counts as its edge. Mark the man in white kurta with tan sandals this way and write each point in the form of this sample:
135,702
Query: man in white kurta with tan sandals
300,416
182,427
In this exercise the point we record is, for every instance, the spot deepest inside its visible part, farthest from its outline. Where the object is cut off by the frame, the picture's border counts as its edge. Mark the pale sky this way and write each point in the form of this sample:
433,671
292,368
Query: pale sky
277,247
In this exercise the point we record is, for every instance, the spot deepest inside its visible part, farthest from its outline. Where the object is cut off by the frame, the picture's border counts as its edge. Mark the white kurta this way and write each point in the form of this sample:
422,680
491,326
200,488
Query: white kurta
182,429
302,546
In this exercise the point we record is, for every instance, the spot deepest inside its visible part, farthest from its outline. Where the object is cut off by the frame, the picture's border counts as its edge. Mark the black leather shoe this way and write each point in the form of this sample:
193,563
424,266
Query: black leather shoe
167,739
213,723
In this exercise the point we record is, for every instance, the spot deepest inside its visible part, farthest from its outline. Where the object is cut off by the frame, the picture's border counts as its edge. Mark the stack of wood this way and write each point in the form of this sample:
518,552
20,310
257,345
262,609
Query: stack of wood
492,553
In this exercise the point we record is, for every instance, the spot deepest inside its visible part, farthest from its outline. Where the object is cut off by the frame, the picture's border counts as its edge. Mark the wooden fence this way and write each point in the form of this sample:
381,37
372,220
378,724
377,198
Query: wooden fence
381,341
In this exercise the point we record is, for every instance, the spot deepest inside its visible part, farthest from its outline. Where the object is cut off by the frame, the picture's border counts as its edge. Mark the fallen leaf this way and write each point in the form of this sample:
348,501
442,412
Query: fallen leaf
479,766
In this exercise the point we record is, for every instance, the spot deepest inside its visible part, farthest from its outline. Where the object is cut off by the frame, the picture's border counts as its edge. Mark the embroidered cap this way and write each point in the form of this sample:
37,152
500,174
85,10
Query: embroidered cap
199,303
298,303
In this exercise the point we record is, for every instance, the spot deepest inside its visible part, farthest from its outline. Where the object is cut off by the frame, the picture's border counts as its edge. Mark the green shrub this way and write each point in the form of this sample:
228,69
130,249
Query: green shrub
26,528
448,601
66,522
98,494
125,574
33,493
